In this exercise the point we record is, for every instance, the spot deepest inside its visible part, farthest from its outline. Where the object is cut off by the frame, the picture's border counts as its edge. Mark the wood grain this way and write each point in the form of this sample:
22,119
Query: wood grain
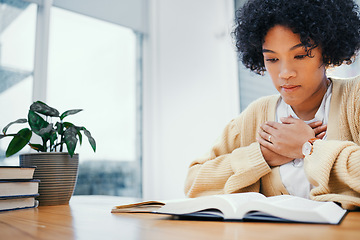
89,217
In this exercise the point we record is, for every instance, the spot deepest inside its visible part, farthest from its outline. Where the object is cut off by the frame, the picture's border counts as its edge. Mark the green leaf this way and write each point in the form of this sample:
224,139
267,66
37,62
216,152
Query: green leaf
36,122
53,137
18,142
42,108
78,129
69,112
59,128
90,138
46,132
68,124
70,140
80,136
37,147
21,120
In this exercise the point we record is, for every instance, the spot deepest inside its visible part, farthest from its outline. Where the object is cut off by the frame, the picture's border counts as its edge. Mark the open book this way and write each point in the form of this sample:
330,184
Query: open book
244,207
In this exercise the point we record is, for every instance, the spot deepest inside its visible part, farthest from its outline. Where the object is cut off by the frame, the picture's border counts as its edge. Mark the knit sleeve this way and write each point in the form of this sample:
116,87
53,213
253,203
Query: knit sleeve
235,163
334,170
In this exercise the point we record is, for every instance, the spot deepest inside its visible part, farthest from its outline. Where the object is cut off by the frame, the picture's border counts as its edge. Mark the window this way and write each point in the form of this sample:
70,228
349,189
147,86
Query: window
93,66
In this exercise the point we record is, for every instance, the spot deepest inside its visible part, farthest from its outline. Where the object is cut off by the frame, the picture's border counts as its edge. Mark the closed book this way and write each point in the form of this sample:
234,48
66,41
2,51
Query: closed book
15,187
16,172
14,203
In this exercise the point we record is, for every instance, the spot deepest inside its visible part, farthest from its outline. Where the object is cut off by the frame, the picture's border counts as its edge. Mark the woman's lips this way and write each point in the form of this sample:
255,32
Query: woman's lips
290,88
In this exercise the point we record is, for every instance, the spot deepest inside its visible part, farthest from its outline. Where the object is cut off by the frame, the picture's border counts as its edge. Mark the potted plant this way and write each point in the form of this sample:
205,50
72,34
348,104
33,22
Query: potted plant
56,161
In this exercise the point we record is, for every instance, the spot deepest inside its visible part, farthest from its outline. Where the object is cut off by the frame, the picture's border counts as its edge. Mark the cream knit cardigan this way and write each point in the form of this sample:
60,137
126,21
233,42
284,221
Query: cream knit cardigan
235,163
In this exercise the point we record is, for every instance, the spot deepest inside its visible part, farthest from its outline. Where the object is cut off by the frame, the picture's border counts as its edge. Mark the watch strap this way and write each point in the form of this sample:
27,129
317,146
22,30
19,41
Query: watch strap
311,141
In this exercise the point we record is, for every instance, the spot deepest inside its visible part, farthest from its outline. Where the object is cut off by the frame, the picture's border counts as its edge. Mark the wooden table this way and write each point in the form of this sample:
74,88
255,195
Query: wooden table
89,217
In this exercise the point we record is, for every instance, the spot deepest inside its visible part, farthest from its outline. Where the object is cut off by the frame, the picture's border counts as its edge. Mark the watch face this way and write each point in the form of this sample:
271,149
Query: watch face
306,148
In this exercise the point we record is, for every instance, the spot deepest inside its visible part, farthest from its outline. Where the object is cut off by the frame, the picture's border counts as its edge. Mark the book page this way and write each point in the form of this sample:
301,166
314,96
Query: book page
238,199
199,204
222,205
294,208
294,202
139,207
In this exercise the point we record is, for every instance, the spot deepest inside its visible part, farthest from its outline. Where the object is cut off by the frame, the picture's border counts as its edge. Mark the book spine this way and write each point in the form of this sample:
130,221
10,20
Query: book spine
18,196
18,180
10,209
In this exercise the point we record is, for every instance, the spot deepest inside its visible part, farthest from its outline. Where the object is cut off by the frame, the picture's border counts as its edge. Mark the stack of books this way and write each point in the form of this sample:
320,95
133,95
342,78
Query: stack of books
18,189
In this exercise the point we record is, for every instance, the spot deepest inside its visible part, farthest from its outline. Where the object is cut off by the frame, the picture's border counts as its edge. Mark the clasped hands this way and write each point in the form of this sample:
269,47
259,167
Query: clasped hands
282,142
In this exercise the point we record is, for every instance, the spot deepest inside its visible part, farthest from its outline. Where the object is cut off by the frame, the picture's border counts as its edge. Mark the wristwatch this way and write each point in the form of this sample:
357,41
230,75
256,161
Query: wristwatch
307,147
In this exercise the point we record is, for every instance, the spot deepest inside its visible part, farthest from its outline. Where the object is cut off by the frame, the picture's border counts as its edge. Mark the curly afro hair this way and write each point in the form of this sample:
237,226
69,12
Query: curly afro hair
334,25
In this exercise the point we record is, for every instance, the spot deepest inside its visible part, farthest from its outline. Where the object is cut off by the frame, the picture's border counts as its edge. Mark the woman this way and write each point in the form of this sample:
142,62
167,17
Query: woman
305,141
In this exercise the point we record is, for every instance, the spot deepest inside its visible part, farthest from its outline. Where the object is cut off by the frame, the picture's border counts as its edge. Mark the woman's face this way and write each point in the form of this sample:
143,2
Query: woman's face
299,78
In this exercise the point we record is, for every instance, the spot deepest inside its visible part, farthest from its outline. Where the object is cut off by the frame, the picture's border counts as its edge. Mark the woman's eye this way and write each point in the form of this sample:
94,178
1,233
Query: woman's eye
301,56
271,59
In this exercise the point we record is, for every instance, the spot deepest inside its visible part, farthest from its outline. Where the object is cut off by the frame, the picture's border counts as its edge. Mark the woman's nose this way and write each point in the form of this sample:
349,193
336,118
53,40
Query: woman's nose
286,71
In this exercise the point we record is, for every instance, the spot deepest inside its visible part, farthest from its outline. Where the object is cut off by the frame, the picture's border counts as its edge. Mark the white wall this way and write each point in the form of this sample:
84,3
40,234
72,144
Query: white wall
190,88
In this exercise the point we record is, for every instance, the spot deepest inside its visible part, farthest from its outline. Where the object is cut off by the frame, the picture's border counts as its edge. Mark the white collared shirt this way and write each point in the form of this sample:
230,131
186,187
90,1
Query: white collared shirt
292,173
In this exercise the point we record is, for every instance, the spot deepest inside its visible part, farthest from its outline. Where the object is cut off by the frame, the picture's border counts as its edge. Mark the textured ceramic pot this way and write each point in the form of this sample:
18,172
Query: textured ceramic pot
57,173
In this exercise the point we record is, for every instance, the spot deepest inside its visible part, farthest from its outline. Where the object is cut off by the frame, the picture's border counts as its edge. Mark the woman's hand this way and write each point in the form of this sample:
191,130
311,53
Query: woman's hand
286,138
319,129
273,159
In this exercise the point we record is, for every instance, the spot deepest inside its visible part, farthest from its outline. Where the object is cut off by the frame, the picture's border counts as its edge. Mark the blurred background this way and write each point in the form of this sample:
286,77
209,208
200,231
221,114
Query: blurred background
158,81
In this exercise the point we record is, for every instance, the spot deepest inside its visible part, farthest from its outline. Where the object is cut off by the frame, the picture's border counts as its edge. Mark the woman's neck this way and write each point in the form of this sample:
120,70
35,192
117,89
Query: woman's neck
307,112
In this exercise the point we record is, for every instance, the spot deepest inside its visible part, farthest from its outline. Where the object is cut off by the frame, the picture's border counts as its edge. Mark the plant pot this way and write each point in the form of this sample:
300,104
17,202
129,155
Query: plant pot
57,173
